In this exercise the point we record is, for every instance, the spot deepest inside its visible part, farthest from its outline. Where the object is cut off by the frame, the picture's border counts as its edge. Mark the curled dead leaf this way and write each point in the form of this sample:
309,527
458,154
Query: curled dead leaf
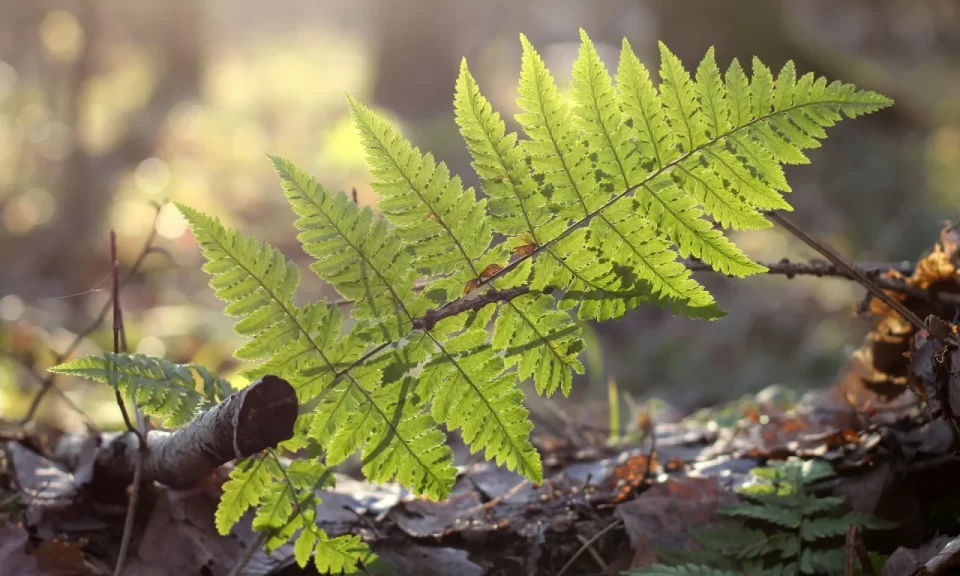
525,250
490,271
470,286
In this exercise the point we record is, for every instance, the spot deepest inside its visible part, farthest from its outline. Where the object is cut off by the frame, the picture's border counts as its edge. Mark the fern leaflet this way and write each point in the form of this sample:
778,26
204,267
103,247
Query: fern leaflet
163,389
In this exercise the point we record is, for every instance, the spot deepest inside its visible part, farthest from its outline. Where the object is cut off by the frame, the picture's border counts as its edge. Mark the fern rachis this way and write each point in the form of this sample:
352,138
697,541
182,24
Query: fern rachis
597,202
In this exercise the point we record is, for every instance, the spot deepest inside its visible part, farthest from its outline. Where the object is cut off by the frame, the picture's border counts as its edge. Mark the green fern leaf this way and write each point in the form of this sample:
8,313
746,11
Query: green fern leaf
498,162
822,561
768,513
471,391
666,204
164,390
246,486
304,546
353,250
683,570
625,235
445,224
818,528
735,542
515,205
340,554
557,154
258,285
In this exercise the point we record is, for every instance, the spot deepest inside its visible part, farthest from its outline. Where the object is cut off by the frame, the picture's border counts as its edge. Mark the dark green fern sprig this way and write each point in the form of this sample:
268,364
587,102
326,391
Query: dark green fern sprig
597,199
163,390
787,529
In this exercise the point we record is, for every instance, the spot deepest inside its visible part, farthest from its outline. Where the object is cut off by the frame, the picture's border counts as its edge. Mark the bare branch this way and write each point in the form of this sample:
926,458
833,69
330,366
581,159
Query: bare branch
430,319
830,254
256,418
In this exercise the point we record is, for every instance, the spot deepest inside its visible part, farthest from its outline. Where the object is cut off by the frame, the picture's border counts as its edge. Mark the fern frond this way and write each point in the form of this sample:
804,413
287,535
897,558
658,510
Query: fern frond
497,159
768,513
164,390
542,341
622,232
735,542
555,151
683,570
822,561
446,225
246,486
515,206
254,279
812,529
340,554
470,391
672,209
353,250
407,446
268,298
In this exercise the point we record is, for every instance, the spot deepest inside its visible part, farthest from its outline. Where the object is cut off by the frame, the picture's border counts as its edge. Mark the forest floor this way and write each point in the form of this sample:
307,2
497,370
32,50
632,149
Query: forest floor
885,427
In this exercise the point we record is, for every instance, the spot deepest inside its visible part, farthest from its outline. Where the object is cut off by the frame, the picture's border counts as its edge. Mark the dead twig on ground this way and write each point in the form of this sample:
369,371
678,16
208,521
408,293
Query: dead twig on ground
587,544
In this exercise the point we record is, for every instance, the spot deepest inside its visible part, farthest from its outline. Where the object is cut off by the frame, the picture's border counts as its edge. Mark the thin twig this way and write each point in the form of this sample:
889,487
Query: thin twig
116,350
255,545
593,553
494,501
49,381
366,521
865,564
819,268
587,544
63,396
850,550
874,272
830,254
120,344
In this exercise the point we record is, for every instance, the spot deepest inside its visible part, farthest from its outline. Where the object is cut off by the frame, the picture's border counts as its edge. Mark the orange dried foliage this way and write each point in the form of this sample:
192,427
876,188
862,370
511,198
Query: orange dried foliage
628,476
490,271
524,250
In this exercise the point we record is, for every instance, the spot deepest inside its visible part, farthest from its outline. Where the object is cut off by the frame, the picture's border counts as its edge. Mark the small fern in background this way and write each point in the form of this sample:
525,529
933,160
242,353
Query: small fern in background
787,530
596,203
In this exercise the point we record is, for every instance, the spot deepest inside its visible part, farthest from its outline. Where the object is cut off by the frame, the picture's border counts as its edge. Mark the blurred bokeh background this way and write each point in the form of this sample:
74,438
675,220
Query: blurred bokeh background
109,106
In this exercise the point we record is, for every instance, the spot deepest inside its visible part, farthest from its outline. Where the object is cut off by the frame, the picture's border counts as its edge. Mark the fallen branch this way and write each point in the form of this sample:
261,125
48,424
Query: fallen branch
249,421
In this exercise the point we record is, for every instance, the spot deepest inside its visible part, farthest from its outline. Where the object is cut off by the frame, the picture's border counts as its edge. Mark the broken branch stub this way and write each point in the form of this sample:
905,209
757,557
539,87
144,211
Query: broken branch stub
256,418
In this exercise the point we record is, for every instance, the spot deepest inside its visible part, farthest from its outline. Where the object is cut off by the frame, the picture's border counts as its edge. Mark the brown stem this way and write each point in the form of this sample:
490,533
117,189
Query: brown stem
830,254
48,381
430,319
120,344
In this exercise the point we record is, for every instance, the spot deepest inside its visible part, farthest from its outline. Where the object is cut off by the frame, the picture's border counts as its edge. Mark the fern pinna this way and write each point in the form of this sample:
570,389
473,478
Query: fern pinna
583,218
789,530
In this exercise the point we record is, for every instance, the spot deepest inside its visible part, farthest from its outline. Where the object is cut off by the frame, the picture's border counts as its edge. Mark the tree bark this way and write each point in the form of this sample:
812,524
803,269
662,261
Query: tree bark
250,421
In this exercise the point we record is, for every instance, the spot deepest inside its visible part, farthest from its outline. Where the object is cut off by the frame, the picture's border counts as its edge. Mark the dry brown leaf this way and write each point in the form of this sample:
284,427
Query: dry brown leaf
490,271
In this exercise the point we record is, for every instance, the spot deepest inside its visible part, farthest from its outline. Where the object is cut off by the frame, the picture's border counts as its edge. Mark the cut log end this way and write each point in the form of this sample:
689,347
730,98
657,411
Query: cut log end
266,417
